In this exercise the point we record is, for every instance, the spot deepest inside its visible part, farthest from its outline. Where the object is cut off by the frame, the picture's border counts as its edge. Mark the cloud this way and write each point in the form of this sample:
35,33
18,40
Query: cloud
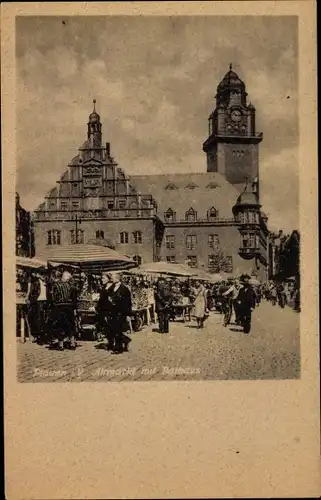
279,182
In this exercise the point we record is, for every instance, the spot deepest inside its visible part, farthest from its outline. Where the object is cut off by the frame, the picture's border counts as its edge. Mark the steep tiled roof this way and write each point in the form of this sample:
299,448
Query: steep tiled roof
201,198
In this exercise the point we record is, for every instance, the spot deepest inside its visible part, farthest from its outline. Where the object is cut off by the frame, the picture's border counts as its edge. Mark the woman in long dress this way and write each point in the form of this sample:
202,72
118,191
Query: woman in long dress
200,303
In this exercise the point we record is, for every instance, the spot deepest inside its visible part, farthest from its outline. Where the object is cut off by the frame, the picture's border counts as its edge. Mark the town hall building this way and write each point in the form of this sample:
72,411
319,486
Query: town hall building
211,220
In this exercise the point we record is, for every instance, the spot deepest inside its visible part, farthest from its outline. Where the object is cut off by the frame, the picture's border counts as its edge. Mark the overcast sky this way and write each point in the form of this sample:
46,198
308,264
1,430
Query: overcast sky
154,79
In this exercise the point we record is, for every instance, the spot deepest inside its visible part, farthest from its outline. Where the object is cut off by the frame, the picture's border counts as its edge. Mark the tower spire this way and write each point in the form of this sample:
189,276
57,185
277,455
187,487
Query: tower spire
230,66
94,102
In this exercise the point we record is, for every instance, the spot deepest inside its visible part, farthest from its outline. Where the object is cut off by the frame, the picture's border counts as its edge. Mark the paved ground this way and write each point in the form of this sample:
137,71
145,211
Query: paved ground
270,351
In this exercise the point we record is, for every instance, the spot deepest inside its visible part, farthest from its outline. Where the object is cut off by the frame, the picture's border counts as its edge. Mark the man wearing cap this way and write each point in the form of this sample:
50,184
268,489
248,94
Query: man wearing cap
246,302
63,296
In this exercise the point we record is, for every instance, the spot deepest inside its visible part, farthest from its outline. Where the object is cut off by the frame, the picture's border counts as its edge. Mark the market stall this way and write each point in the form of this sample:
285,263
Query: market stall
25,266
181,306
89,260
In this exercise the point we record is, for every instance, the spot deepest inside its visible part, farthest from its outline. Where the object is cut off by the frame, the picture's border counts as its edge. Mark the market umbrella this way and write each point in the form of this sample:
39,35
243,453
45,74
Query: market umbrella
88,257
168,269
31,263
254,281
205,276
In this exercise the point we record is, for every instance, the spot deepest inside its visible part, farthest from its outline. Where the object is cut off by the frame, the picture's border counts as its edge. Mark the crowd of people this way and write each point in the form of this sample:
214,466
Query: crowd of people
52,302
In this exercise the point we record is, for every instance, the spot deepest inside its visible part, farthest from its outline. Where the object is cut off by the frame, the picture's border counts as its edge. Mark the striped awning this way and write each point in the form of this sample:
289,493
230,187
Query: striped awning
30,263
88,257
167,268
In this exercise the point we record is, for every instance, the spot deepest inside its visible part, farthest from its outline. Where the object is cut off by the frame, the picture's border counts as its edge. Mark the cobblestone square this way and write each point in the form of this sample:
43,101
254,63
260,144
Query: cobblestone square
270,351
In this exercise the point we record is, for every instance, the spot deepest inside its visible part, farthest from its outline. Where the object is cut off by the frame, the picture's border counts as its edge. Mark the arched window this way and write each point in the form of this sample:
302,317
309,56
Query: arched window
137,259
54,237
191,215
100,235
123,237
212,213
137,237
169,215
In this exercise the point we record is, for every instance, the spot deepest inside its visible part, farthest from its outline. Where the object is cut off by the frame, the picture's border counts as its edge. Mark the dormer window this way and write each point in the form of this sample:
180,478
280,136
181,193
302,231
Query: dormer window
191,215
171,186
170,215
212,185
191,185
212,213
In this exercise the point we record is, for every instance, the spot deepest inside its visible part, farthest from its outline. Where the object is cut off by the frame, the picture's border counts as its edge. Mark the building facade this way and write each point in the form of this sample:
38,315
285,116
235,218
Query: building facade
25,245
284,255
211,220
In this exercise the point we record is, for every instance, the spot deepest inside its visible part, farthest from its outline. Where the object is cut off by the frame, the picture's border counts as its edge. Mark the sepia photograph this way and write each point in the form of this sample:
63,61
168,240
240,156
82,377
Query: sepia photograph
157,198
160,250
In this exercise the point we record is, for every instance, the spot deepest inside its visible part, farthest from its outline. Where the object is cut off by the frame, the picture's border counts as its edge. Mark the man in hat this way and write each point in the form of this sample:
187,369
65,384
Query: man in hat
32,304
115,304
163,302
232,293
62,318
246,302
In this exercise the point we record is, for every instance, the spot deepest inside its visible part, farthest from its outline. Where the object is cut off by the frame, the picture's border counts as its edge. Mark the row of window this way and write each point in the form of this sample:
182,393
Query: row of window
75,205
77,237
249,217
212,261
190,215
136,237
191,241
250,241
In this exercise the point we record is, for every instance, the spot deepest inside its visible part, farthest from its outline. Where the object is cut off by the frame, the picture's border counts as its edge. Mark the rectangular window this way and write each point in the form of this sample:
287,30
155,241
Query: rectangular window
170,216
137,237
248,241
77,238
243,218
211,261
123,238
122,204
191,242
110,205
192,261
229,264
99,235
213,240
137,259
170,242
54,237
64,205
171,259
75,205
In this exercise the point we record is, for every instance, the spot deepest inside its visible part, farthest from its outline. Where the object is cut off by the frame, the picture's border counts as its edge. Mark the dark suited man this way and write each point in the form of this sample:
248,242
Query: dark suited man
104,310
163,305
33,309
115,305
246,301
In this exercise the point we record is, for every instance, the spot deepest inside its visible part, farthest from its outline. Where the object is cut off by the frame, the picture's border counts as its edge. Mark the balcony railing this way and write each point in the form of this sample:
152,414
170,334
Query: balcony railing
249,252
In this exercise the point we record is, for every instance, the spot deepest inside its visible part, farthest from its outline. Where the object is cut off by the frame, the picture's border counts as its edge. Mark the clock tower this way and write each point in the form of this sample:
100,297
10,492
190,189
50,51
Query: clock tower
232,147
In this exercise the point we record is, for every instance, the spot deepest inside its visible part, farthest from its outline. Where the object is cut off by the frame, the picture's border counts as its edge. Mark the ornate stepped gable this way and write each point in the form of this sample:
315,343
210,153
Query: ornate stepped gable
93,173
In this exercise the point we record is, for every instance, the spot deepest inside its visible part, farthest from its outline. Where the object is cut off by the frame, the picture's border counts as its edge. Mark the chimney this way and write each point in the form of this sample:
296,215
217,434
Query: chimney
108,148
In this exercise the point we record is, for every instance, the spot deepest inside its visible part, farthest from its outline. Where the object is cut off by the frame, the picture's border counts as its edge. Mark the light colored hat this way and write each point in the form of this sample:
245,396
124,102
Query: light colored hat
66,276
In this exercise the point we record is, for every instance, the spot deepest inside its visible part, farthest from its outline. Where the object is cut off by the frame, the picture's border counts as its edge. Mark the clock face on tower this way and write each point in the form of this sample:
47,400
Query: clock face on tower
236,115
